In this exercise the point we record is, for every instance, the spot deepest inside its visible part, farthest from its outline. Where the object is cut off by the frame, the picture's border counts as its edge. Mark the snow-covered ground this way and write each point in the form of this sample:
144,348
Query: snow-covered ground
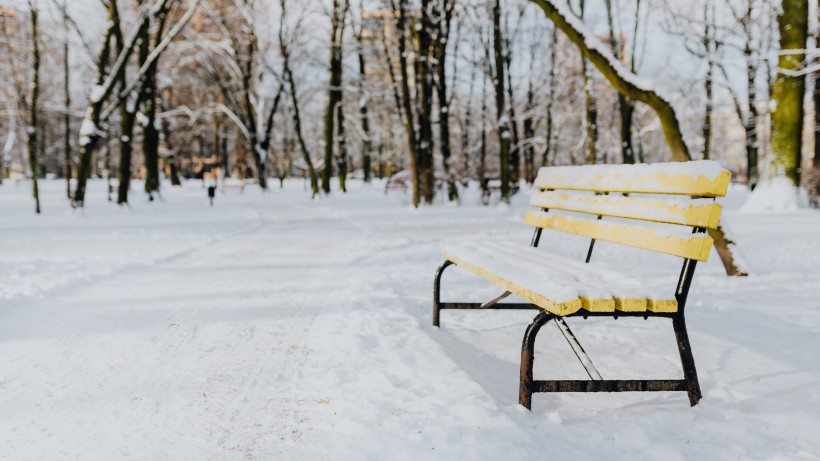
273,326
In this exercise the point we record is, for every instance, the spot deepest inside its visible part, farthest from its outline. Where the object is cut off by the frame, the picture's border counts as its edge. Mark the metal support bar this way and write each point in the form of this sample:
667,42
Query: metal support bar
580,313
495,301
687,360
501,306
592,242
579,351
525,388
622,385
528,386
437,292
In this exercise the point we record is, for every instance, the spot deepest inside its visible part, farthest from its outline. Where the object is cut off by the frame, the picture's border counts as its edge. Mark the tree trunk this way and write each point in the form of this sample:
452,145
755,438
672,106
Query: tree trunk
440,47
409,125
128,117
465,130
259,153
590,115
31,130
816,162
424,80
367,143
529,133
341,159
709,47
788,91
515,141
590,108
545,156
222,148
90,132
334,92
750,121
502,120
67,113
626,107
482,152
297,119
724,246
707,113
297,123
171,161
150,143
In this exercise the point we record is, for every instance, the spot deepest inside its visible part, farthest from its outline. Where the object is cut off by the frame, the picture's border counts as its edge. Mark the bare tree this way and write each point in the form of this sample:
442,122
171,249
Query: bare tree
284,48
626,106
590,106
409,117
108,76
334,112
34,107
367,143
502,118
443,11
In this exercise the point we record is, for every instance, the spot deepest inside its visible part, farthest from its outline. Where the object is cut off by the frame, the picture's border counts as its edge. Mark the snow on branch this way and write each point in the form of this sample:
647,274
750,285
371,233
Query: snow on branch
101,92
626,82
153,56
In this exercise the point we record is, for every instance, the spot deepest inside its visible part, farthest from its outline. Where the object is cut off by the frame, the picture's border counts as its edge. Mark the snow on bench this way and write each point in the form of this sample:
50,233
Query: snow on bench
556,283
704,178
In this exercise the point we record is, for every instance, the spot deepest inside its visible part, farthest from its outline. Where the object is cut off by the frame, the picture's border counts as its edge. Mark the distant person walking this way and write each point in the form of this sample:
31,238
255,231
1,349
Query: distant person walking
211,193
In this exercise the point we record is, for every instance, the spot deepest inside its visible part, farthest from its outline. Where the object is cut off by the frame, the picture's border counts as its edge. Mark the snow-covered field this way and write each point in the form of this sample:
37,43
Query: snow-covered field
276,327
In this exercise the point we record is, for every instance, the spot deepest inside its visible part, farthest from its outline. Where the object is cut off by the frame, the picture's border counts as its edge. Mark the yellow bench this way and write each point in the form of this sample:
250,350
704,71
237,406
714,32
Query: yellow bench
644,206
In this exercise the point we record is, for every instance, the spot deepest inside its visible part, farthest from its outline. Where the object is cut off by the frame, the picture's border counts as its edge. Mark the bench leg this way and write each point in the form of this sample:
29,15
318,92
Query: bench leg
437,292
525,389
687,360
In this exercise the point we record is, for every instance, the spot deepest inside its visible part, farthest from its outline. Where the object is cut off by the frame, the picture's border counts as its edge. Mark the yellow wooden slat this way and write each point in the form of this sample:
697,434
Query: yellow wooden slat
631,305
598,305
703,178
695,247
662,305
538,299
647,209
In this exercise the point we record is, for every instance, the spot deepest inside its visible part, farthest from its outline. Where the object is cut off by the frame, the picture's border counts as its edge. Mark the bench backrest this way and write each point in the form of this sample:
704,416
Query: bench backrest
680,193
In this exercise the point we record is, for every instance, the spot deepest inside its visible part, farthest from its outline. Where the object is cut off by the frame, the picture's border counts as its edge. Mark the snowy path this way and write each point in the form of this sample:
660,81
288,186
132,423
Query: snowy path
273,327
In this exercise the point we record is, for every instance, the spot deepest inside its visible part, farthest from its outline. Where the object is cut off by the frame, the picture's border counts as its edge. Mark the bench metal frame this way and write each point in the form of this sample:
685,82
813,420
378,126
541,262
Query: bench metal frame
529,386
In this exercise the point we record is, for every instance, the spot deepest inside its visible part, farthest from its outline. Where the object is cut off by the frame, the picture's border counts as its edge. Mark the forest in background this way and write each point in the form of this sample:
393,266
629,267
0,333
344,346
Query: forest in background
443,91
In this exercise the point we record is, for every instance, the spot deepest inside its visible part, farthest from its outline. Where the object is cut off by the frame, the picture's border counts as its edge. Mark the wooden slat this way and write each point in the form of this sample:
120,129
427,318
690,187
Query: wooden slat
647,209
695,247
704,178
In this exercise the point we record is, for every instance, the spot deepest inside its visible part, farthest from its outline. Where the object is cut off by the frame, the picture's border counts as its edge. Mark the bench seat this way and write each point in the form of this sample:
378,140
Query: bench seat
555,283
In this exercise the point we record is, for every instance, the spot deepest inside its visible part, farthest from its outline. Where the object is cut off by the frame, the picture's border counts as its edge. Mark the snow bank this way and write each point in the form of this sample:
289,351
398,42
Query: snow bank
775,195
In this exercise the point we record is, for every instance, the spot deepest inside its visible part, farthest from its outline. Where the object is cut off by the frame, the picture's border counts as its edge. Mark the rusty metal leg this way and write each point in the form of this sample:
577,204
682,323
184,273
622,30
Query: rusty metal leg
687,360
528,358
437,292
